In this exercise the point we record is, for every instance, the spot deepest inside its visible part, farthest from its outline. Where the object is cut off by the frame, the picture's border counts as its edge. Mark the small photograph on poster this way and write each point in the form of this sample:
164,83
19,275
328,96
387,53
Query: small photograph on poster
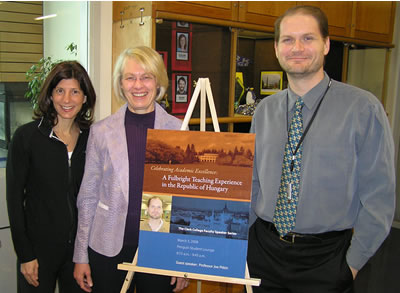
182,46
164,56
155,213
181,92
212,218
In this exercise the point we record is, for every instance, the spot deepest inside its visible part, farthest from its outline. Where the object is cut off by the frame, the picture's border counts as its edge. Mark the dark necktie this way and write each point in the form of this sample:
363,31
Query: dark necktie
286,204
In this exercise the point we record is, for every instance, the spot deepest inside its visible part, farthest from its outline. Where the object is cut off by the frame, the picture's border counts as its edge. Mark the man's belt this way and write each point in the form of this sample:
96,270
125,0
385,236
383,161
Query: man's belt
293,237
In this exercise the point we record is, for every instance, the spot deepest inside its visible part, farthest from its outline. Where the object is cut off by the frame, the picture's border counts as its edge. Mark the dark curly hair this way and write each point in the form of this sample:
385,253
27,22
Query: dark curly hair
66,70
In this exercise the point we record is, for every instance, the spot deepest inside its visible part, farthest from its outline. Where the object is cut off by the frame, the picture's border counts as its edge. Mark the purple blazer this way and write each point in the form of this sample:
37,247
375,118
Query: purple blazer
103,197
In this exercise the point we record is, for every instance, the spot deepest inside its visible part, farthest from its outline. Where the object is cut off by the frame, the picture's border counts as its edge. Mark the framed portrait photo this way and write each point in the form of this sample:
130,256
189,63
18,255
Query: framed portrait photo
182,46
181,51
183,24
181,92
270,82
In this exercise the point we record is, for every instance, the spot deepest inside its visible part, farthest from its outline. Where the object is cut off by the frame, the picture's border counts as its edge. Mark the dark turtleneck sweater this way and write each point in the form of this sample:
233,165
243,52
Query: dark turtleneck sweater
136,126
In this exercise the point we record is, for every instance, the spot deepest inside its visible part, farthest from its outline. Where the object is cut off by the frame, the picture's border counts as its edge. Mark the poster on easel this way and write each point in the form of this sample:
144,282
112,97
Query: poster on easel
196,202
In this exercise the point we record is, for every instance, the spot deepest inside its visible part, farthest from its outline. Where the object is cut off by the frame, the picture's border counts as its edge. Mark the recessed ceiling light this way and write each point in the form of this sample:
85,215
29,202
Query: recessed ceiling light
45,16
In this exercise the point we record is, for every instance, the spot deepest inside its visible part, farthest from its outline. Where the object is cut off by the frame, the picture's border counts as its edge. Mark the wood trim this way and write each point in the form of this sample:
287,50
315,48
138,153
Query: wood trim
21,27
221,10
20,57
172,16
232,78
130,9
367,27
6,67
21,39
12,77
21,48
362,42
34,7
353,20
212,21
154,34
16,37
261,28
19,17
345,63
386,77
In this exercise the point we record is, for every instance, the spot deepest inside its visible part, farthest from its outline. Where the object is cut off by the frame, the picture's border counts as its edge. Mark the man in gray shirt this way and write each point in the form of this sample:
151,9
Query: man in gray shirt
341,202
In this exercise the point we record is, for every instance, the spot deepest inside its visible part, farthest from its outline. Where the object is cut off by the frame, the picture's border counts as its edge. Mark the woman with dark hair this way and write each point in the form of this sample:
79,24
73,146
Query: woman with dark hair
45,166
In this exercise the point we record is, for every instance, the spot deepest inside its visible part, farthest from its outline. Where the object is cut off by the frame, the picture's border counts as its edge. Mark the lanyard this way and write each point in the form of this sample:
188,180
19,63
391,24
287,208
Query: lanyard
308,125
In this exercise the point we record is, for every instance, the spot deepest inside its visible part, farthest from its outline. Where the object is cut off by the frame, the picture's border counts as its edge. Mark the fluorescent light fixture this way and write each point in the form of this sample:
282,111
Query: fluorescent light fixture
45,16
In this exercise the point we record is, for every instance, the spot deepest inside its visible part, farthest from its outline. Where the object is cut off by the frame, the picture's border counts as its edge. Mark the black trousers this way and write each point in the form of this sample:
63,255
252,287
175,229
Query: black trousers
108,279
316,267
55,264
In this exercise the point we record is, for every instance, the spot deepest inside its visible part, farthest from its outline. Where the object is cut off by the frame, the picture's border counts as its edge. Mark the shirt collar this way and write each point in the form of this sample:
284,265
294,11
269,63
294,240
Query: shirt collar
53,134
312,96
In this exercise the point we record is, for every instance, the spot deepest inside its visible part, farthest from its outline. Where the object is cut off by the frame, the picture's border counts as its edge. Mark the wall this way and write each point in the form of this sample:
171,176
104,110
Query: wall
366,69
393,103
70,25
88,24
100,50
130,33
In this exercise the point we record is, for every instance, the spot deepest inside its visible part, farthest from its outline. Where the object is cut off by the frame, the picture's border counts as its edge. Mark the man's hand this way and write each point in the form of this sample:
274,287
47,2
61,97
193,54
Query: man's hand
354,272
83,276
30,270
181,283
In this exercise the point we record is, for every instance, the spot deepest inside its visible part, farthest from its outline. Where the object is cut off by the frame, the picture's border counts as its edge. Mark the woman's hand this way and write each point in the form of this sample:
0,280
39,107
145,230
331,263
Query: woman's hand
83,276
30,270
181,283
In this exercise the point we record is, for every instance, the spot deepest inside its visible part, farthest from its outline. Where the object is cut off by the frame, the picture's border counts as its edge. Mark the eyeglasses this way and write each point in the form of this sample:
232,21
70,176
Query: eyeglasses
143,78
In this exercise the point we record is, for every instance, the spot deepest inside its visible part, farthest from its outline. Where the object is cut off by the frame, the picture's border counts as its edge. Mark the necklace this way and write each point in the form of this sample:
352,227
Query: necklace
67,140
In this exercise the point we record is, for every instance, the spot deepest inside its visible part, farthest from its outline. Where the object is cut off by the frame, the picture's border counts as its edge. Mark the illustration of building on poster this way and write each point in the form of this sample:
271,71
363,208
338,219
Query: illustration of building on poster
196,202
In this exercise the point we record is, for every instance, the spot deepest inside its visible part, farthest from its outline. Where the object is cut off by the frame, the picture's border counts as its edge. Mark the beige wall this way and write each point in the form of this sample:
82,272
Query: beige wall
131,32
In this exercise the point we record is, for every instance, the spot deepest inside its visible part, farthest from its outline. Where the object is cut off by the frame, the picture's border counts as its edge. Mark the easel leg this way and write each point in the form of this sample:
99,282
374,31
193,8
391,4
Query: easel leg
198,286
129,276
249,289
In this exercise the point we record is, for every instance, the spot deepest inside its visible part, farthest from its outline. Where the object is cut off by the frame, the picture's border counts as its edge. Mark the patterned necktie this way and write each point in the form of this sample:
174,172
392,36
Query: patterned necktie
286,204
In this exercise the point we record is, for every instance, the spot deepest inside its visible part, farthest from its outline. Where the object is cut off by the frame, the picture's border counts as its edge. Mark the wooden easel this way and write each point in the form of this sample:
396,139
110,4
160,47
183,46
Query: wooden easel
203,89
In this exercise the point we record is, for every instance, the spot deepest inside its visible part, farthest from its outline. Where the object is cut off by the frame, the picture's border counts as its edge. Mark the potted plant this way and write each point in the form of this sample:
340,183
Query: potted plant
37,74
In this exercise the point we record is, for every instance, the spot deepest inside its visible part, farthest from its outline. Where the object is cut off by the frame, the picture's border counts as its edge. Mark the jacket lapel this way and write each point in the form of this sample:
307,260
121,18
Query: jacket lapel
118,149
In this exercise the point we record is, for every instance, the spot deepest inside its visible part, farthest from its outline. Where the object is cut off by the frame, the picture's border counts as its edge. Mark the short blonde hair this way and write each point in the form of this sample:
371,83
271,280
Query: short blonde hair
151,62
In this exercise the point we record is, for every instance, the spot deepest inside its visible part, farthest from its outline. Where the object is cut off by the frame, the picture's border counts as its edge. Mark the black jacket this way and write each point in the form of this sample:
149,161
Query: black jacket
42,186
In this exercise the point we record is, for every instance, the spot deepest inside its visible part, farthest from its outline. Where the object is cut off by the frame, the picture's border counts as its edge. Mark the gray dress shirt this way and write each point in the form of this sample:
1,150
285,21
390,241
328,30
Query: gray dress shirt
347,171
